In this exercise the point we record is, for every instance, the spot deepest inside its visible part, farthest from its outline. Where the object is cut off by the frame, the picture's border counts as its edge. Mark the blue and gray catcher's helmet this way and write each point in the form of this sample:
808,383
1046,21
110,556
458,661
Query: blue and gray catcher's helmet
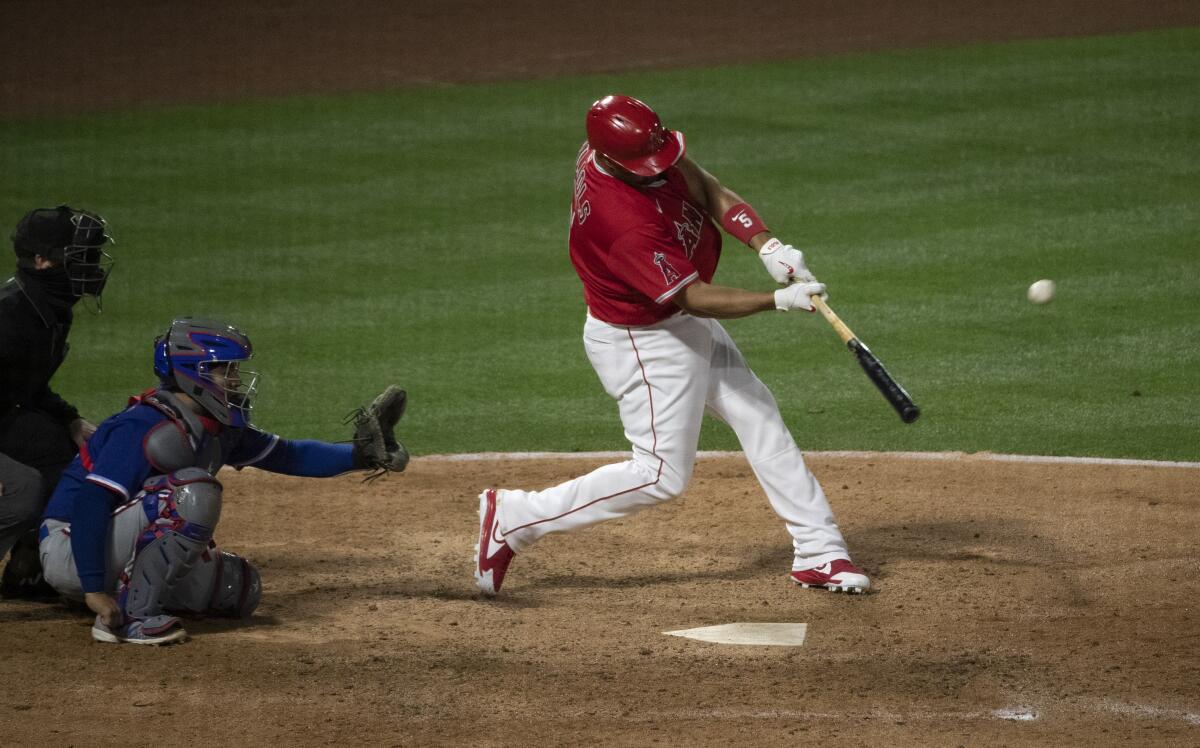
202,359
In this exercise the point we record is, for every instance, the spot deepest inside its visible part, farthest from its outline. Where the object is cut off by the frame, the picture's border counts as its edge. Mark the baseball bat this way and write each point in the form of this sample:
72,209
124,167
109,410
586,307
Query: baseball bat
887,386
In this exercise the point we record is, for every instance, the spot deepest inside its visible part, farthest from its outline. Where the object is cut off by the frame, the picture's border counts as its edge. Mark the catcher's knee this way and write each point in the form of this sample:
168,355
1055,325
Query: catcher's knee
238,587
188,503
196,496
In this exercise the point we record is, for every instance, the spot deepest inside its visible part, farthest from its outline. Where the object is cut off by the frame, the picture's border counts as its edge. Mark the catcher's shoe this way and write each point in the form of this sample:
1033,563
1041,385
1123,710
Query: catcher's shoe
156,630
492,555
838,575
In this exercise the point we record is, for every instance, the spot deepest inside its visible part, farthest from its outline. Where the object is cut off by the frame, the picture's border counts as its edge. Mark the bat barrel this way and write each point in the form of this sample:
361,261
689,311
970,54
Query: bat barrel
891,390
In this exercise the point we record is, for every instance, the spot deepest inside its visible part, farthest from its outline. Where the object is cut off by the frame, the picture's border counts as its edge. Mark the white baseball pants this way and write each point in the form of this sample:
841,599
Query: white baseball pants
663,376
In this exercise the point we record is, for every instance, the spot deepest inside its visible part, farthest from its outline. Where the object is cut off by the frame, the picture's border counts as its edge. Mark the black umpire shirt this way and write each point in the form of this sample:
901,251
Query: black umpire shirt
34,324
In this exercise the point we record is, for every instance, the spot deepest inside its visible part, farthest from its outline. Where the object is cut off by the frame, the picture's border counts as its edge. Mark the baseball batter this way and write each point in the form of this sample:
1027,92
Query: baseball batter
644,243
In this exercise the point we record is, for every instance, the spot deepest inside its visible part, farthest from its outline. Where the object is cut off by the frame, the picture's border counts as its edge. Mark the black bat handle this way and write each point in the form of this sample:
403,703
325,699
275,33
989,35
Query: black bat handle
891,391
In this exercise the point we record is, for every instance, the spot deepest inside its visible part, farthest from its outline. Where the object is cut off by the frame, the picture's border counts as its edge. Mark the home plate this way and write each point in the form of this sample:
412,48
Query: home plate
769,634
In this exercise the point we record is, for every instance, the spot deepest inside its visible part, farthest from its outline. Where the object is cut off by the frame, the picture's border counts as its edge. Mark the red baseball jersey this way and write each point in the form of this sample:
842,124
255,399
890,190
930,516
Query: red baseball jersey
634,248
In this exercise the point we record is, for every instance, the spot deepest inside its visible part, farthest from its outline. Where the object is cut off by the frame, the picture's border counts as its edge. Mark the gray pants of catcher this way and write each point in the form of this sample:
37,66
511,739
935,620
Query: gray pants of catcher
194,592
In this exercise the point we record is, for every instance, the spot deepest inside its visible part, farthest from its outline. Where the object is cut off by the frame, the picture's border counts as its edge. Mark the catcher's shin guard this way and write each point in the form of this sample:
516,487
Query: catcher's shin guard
185,507
220,584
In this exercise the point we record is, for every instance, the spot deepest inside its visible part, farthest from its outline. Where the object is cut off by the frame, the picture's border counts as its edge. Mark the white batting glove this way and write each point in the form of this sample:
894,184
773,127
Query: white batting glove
785,263
796,296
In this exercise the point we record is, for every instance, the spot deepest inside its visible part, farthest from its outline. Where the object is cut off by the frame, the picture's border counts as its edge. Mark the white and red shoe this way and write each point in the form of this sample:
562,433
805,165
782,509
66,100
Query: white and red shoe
492,555
838,575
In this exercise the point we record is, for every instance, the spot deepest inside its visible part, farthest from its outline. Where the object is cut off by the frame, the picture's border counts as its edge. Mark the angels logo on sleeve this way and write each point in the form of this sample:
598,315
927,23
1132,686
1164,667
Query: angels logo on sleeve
687,231
670,274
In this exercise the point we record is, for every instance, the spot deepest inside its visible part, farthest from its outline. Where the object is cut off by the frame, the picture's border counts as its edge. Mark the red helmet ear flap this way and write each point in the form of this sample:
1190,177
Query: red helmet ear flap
630,133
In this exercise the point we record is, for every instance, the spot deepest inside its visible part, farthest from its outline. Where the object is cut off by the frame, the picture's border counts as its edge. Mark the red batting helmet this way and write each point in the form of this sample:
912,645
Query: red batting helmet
630,133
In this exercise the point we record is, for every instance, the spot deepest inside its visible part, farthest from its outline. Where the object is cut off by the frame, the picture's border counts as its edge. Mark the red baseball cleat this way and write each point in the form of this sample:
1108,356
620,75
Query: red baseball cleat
838,575
492,555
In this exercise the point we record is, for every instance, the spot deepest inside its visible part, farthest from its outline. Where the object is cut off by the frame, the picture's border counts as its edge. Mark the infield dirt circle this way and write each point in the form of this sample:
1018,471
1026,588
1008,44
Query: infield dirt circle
1015,603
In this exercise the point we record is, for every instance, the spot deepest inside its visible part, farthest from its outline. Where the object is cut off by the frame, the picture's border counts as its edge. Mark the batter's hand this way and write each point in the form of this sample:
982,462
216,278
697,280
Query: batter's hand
785,263
796,296
105,607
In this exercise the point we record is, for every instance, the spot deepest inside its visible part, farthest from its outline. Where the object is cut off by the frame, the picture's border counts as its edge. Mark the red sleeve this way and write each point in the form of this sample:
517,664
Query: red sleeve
646,259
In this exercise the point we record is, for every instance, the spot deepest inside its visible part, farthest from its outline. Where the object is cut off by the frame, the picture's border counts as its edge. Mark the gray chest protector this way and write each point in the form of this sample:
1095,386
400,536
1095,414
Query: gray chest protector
180,441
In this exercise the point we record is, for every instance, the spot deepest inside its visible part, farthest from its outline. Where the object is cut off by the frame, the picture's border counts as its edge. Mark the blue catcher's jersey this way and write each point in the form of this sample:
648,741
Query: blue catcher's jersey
115,458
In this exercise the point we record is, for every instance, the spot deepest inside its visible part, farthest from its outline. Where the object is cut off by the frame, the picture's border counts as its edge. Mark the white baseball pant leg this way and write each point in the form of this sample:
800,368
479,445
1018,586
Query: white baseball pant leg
658,375
740,399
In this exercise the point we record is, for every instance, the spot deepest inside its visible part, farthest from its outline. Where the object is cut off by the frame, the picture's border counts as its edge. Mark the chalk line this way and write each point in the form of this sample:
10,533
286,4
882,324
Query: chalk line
932,456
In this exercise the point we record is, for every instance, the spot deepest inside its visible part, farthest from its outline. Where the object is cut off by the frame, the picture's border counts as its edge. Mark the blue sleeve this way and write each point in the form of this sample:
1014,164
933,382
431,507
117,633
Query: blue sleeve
251,447
311,459
117,468
115,458
89,534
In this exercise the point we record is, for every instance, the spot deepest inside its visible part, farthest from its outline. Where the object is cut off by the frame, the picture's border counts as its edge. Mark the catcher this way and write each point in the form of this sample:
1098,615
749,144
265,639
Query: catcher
129,530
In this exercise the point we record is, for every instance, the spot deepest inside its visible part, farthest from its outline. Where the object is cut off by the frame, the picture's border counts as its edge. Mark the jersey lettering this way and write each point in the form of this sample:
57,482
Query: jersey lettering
670,274
580,209
582,212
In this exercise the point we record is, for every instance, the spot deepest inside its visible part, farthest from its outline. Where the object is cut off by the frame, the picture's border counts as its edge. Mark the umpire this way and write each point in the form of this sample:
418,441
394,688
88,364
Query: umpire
60,259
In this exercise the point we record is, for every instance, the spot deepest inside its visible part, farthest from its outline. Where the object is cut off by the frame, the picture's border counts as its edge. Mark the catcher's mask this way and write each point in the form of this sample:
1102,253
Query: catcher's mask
202,359
71,238
630,133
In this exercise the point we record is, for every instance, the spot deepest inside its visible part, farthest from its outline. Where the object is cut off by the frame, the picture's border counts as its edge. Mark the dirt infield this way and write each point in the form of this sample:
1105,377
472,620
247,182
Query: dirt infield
1016,604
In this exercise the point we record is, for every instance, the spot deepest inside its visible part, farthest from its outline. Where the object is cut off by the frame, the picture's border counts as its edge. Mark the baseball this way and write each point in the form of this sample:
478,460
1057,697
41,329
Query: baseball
1041,291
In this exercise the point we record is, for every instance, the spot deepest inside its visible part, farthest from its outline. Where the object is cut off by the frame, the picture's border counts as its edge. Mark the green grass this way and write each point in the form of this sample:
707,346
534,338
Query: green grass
419,237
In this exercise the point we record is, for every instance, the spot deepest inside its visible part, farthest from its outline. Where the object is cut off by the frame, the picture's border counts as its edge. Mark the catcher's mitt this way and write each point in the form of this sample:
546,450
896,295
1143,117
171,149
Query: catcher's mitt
375,444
